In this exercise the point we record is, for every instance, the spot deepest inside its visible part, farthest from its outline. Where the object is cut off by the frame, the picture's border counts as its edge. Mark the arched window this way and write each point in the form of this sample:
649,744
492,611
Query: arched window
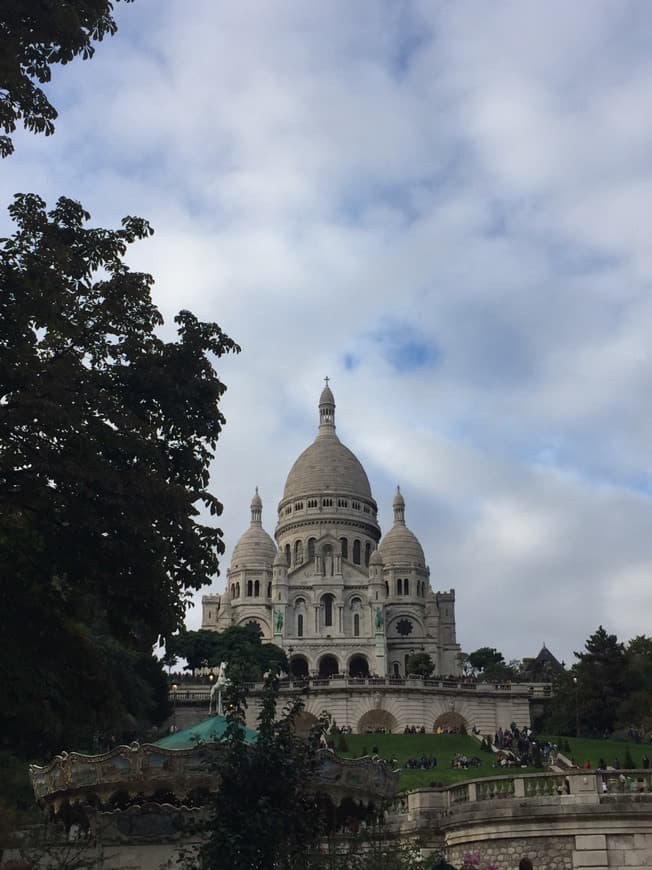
288,554
237,590
257,589
299,602
311,549
396,666
399,587
406,586
356,625
298,553
386,588
356,552
367,552
269,590
328,610
345,547
300,625
250,588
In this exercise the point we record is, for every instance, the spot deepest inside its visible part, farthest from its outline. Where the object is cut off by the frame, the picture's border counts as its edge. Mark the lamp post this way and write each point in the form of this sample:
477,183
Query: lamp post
174,706
577,710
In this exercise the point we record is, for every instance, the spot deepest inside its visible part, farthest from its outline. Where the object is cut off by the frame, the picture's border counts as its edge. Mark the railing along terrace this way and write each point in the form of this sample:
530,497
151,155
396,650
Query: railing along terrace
603,784
189,692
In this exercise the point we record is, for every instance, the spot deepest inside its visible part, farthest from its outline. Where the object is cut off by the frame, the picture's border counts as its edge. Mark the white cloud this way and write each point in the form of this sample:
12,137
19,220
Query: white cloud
319,175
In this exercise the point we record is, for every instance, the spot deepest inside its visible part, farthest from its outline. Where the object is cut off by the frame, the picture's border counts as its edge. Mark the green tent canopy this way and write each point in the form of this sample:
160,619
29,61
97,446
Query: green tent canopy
209,731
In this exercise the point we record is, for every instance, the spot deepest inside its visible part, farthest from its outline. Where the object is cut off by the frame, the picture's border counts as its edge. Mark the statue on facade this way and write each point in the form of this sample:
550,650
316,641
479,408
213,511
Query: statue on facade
220,682
278,621
380,619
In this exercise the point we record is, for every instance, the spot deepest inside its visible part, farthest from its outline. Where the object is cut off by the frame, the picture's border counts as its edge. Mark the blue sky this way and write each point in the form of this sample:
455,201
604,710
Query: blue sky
445,208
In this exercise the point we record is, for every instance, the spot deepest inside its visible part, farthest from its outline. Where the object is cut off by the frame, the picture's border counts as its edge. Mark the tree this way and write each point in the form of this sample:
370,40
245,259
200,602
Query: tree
266,815
485,658
33,37
589,698
106,436
490,665
420,664
238,646
602,682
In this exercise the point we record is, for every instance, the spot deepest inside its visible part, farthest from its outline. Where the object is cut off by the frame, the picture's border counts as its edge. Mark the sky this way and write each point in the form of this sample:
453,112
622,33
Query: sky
444,207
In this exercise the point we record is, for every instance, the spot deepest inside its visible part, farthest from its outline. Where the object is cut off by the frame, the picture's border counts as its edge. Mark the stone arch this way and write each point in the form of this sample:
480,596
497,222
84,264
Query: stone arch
304,722
451,720
374,720
328,665
358,665
299,666
374,702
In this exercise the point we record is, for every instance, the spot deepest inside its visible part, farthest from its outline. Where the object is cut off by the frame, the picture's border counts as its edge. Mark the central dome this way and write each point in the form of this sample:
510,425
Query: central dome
327,465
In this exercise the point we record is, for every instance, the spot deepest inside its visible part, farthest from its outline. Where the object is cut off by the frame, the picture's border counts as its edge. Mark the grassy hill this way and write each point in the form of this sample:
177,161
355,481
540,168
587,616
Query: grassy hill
445,746
582,750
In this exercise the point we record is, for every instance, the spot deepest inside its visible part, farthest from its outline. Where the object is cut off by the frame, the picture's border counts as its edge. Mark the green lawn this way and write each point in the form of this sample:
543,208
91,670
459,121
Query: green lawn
445,746
442,746
583,749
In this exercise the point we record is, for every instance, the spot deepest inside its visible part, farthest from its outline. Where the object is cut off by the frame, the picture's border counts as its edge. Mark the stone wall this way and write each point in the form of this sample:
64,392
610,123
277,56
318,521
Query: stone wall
410,703
551,853
560,821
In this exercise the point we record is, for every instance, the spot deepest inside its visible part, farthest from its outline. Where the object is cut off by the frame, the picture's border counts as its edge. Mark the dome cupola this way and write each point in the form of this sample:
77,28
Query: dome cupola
327,465
255,549
400,546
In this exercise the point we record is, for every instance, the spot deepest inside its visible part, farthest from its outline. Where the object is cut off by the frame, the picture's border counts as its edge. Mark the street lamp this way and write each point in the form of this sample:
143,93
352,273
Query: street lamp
577,710
174,706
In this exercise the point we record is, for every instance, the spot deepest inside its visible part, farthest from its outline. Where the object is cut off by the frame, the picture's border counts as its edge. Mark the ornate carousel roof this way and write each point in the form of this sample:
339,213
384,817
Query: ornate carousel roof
181,769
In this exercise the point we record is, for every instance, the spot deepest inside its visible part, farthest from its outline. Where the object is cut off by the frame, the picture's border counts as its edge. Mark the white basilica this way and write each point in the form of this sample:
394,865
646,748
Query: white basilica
332,591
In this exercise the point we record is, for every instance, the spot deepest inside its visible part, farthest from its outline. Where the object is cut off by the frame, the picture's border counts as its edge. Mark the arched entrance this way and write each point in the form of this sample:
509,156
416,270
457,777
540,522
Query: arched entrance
377,721
359,666
328,666
450,722
299,666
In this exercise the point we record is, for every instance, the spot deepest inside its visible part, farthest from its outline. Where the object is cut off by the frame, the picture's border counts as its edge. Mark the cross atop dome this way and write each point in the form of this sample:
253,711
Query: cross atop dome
327,408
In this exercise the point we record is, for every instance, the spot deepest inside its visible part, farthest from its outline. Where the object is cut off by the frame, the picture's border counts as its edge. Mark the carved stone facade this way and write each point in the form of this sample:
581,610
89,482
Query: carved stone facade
334,593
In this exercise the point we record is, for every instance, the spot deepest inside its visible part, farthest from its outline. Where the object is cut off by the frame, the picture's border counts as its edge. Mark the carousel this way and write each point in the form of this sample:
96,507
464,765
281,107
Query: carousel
149,793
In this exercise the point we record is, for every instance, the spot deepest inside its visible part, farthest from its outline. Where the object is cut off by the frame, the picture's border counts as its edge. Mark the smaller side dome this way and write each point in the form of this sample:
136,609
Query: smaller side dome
400,546
255,549
375,558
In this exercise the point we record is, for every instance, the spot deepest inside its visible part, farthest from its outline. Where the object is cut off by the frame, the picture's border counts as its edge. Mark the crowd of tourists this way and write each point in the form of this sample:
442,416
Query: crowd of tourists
426,762
518,747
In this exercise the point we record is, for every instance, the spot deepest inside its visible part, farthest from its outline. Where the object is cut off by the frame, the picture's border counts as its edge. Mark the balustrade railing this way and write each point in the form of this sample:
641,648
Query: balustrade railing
600,784
186,691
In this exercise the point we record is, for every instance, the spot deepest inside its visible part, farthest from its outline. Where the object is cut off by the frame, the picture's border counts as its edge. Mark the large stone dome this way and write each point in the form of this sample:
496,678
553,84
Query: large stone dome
255,549
327,465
